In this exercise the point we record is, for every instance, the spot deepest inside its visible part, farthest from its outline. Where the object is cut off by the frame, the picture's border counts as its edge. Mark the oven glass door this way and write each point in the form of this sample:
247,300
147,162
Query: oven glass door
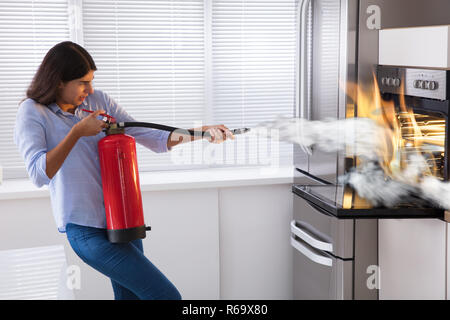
336,200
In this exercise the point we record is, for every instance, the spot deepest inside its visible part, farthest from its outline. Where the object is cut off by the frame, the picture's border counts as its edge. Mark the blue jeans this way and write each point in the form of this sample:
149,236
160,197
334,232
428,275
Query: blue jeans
132,275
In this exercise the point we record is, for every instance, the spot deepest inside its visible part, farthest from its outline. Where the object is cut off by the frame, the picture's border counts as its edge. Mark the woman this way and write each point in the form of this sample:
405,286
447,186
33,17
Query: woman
58,142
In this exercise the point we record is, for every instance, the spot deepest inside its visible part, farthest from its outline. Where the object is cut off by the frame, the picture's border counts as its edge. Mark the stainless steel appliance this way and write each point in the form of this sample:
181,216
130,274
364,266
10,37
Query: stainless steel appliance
427,93
334,234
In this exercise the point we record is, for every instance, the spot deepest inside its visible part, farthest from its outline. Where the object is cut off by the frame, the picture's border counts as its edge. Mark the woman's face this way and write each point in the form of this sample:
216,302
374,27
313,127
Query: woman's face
75,91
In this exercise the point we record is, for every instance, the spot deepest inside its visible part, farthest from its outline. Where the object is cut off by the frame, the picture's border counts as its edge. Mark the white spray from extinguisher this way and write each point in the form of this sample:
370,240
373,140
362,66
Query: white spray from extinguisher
362,137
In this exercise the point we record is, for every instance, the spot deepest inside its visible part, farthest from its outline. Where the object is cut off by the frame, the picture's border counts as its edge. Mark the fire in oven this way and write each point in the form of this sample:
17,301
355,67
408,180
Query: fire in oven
413,106
335,226
421,98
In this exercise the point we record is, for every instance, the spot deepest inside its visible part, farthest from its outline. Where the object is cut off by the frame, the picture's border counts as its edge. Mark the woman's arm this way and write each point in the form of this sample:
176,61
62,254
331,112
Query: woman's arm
89,126
218,133
58,154
158,140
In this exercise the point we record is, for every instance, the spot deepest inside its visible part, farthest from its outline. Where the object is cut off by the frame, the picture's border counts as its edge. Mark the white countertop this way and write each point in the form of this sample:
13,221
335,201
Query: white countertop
173,180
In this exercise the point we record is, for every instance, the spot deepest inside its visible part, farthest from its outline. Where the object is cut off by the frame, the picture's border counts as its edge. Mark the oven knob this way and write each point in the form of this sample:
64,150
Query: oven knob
396,82
433,85
383,81
417,84
390,82
426,85
421,84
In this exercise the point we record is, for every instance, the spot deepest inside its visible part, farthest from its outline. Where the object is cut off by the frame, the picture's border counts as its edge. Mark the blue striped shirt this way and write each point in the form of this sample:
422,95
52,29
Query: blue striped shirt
76,189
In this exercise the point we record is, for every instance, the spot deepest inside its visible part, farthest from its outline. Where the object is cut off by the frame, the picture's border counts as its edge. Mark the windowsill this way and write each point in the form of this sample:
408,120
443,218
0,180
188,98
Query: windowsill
172,180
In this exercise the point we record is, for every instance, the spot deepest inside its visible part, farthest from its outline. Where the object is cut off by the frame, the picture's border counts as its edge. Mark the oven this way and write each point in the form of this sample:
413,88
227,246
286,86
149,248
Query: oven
334,232
425,128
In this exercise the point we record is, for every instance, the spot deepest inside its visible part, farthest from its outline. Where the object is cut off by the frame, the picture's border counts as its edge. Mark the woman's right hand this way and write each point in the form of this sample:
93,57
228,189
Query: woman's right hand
90,126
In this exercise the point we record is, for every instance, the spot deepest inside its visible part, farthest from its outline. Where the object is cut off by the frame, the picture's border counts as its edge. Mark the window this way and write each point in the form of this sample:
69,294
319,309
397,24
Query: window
150,57
253,71
38,273
180,63
28,29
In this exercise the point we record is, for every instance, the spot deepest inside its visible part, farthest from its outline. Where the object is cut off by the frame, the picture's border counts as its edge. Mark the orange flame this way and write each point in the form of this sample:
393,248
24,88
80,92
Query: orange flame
404,135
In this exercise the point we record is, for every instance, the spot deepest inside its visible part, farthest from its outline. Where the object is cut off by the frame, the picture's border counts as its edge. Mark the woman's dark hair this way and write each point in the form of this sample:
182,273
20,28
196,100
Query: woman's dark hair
64,62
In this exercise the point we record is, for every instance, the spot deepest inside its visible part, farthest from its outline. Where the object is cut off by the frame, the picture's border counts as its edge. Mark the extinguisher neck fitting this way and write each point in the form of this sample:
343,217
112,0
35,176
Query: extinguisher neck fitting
114,128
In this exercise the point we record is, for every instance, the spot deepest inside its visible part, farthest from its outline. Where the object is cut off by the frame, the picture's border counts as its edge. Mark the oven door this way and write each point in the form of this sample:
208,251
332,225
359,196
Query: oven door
322,230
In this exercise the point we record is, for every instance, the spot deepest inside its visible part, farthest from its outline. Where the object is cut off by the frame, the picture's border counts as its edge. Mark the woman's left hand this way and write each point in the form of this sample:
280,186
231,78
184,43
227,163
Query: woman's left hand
218,133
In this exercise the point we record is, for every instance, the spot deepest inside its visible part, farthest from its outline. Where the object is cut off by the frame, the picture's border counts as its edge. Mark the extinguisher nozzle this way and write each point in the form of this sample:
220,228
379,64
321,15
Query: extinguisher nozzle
148,228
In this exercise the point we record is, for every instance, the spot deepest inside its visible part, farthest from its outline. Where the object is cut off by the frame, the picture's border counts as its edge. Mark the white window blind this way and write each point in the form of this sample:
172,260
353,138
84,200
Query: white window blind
28,29
254,67
180,63
184,63
150,59
38,273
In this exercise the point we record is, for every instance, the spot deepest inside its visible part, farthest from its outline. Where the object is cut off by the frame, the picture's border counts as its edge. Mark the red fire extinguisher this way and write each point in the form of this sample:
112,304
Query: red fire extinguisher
120,179
121,188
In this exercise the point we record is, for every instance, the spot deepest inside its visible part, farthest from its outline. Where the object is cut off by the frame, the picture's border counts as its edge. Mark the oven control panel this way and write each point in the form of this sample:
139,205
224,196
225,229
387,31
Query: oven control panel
424,83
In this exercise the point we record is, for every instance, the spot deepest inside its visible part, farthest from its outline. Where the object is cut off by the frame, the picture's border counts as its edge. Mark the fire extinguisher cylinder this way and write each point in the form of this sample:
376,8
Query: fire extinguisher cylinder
121,188
120,180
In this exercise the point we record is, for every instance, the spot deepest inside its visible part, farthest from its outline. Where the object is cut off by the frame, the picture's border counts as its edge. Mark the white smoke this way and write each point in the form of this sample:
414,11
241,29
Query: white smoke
354,136
370,183
362,137
436,191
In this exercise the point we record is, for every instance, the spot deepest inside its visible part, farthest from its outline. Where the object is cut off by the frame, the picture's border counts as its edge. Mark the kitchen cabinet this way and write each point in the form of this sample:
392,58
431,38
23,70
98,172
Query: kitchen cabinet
214,241
413,259
256,258
184,240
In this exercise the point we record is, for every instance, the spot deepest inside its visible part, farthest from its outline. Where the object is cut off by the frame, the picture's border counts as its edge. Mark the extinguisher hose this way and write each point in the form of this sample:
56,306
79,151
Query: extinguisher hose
160,127
171,129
